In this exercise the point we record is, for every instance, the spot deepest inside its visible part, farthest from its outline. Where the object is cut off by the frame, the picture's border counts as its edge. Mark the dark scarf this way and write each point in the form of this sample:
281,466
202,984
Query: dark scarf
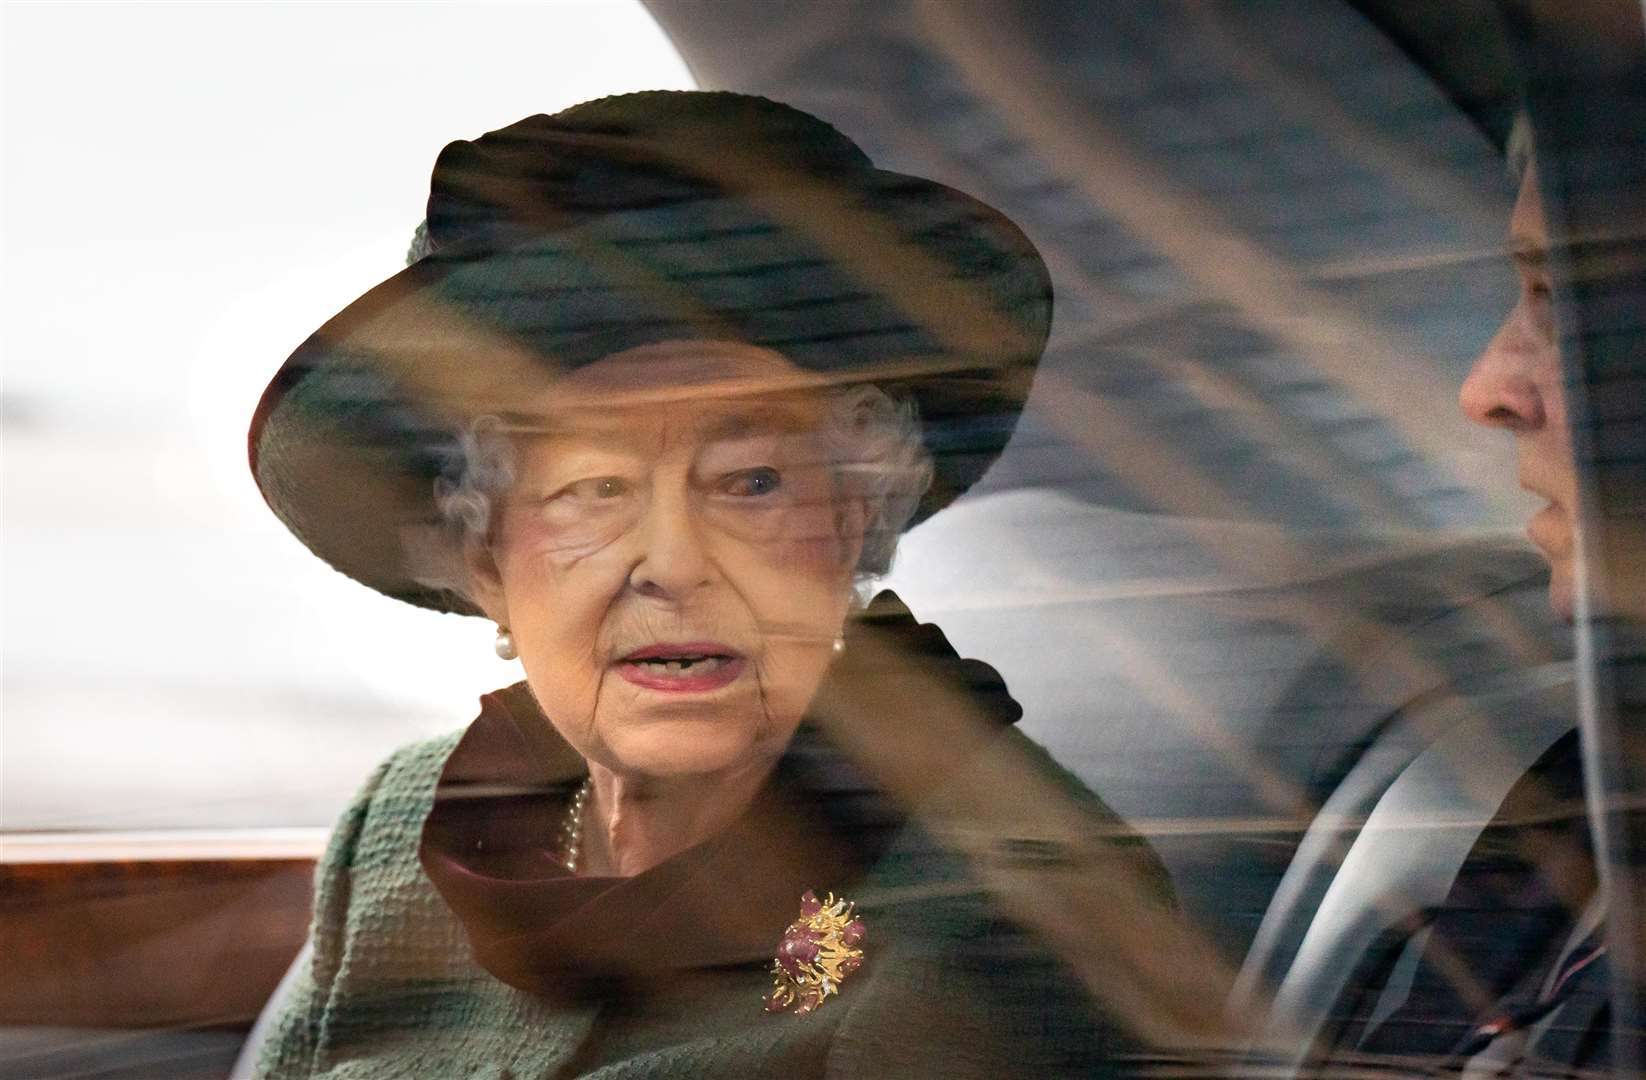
489,845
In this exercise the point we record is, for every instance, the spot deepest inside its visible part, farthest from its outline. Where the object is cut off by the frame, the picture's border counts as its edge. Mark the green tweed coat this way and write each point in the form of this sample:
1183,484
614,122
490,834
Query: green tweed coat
953,989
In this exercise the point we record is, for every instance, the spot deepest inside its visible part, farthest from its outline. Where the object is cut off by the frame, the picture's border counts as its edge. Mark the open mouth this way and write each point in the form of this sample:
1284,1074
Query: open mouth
693,666
681,665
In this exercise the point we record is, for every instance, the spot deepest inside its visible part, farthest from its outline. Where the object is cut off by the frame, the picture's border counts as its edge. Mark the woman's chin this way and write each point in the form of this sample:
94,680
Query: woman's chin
686,746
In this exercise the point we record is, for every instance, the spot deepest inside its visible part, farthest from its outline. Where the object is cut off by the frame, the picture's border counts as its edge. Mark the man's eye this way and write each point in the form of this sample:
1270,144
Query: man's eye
761,481
610,487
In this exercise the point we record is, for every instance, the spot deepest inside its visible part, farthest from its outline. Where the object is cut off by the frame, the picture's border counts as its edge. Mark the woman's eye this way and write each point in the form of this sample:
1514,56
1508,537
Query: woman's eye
599,487
761,481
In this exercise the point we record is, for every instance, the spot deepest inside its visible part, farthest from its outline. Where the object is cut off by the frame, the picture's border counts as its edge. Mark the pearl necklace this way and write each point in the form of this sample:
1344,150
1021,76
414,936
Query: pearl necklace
571,830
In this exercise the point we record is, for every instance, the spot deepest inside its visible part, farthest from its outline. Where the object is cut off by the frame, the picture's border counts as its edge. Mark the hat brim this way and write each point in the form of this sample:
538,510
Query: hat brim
888,279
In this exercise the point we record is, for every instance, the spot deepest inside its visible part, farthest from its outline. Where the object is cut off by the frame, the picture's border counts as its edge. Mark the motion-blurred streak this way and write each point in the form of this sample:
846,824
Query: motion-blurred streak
1123,313
1249,412
1156,469
1074,281
1342,345
1364,267
1157,973
1315,103
1175,697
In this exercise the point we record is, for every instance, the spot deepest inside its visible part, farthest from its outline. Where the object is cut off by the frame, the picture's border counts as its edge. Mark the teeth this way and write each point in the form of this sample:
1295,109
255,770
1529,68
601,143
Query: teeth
696,664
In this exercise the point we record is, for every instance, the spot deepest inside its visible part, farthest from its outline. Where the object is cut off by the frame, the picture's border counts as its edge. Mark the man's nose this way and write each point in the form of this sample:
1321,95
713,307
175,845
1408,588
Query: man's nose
1501,390
673,559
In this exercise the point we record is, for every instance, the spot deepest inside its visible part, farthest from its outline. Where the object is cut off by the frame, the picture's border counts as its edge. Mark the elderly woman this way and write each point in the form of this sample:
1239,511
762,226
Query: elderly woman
665,379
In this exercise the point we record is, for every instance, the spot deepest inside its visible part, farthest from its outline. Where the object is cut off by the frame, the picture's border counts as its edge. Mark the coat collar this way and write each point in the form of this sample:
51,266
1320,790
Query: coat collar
488,845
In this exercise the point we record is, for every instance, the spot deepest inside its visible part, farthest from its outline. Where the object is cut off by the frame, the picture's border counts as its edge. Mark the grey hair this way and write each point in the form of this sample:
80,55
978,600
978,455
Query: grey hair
482,471
421,245
873,442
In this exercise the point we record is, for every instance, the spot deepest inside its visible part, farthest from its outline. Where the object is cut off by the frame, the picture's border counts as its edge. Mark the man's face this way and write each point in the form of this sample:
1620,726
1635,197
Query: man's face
1517,385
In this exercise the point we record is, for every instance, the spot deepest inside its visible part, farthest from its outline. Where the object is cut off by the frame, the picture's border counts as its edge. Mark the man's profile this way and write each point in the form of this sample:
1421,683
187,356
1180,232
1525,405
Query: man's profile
1508,975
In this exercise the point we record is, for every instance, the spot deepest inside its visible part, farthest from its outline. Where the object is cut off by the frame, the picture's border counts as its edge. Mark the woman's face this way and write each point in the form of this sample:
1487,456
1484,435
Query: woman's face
674,559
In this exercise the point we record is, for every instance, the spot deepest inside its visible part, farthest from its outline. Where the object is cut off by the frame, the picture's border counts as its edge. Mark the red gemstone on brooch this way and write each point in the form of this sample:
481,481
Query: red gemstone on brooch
816,953
799,949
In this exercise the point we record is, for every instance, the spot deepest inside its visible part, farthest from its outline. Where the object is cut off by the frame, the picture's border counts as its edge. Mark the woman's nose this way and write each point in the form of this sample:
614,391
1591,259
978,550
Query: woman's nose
673,560
1501,388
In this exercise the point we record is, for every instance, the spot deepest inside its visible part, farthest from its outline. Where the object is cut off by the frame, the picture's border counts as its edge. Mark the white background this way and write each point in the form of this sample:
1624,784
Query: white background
189,190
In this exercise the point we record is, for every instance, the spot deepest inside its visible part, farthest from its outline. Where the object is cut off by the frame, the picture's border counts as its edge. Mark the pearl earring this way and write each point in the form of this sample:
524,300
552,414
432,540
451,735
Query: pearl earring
505,644
839,644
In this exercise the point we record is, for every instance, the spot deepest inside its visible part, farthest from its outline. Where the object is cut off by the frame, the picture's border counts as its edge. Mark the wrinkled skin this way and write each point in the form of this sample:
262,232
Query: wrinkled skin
670,496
